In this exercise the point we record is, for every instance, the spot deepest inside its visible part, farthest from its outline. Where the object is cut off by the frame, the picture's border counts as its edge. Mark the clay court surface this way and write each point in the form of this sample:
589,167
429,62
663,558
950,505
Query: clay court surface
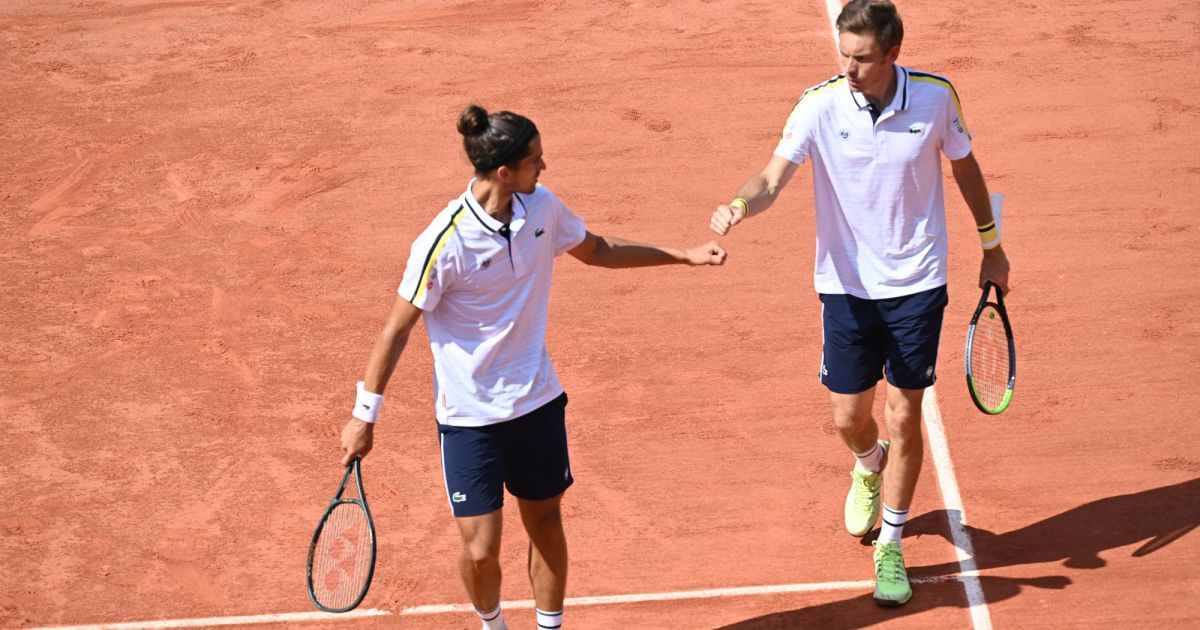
207,206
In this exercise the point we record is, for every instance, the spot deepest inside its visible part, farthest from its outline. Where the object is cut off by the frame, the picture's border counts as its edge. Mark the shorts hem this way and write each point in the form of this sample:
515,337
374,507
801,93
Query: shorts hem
551,495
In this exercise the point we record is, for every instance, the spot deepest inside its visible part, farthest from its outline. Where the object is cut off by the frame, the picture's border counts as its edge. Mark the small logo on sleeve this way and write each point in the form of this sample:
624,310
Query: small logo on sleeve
458,497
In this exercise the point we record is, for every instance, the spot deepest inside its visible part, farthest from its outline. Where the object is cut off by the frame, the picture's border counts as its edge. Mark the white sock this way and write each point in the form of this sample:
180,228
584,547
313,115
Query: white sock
548,620
893,524
871,460
493,620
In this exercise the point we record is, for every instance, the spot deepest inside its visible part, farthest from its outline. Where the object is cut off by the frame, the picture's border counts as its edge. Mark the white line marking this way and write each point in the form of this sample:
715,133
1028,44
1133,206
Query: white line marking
712,593
243,620
437,609
833,8
948,484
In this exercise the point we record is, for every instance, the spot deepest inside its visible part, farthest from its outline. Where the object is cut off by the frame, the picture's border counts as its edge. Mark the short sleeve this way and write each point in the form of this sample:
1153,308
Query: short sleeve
429,272
798,132
956,143
569,228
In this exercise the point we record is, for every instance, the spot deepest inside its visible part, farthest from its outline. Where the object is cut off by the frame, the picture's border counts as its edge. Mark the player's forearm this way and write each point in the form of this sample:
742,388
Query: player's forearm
618,253
974,190
384,358
759,193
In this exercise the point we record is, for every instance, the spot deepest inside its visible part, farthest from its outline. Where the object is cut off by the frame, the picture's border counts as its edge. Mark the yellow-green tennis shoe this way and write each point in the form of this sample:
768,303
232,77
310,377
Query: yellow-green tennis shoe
862,502
891,578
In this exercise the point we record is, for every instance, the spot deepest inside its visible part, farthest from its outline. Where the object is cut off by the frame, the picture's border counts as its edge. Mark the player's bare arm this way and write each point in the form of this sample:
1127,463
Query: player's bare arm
357,435
969,177
617,253
759,192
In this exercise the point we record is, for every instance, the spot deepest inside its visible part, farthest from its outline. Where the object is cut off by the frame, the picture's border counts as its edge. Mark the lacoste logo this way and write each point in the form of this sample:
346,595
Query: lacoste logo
485,264
844,134
929,372
916,129
458,497
538,232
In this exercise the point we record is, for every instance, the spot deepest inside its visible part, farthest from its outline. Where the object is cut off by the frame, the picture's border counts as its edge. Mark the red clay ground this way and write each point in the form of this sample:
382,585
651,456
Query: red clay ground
207,207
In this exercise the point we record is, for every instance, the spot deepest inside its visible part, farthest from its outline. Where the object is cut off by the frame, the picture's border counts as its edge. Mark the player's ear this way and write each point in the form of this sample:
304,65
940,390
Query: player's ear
893,54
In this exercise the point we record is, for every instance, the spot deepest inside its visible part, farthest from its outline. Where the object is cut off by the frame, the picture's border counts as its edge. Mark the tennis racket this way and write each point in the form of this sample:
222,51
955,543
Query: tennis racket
991,354
341,559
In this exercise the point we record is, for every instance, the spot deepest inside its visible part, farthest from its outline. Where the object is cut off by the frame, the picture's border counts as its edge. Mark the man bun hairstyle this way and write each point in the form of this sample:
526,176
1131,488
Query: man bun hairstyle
877,18
495,140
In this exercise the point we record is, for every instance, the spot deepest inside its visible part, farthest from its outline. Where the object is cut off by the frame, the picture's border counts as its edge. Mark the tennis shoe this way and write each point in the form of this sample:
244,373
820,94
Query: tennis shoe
891,578
862,502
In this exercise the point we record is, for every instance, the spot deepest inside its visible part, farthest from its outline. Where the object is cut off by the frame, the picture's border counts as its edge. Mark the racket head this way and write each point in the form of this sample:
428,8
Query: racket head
991,354
341,558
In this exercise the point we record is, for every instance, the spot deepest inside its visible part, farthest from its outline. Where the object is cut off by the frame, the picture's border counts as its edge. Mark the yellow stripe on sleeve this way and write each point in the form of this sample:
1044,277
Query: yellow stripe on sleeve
810,91
433,254
954,93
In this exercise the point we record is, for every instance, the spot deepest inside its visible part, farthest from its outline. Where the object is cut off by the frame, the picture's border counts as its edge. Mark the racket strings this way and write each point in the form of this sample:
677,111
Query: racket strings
990,359
342,561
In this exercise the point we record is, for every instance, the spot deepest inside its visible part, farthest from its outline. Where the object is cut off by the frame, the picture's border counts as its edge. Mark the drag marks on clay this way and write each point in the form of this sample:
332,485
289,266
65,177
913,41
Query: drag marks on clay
220,348
657,125
296,183
188,211
1178,464
54,205
468,13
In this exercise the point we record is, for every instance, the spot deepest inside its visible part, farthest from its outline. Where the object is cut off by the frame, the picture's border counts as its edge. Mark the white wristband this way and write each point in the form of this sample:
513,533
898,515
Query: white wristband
366,404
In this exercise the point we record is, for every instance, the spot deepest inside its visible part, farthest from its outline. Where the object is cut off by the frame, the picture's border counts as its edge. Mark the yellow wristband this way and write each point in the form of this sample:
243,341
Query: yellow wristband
741,204
989,235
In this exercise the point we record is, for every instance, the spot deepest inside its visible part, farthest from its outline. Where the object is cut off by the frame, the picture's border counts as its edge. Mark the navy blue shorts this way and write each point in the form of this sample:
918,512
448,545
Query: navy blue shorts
865,339
528,454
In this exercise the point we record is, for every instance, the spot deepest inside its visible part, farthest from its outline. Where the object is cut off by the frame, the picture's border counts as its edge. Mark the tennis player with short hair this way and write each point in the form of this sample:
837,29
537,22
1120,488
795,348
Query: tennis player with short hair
480,273
875,135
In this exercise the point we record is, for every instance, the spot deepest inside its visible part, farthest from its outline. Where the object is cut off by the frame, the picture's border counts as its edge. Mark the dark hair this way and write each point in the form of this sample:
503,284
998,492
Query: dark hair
495,140
877,18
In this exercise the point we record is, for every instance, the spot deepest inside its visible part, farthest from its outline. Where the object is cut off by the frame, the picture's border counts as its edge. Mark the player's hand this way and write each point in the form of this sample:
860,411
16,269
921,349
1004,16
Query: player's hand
357,439
994,268
710,253
724,218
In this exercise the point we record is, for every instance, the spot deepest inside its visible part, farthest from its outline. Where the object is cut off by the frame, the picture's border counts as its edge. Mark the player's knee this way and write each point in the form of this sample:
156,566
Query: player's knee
545,524
481,556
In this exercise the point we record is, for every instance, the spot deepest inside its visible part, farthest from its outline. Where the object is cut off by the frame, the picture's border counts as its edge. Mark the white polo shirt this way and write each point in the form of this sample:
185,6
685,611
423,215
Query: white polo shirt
881,216
484,288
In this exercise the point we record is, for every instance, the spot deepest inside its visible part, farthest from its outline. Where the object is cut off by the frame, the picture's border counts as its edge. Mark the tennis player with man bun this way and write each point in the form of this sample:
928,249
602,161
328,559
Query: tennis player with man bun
875,136
480,273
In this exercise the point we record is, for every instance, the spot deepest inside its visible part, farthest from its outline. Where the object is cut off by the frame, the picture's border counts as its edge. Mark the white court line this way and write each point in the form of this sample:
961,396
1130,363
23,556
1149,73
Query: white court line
833,8
435,609
956,516
243,620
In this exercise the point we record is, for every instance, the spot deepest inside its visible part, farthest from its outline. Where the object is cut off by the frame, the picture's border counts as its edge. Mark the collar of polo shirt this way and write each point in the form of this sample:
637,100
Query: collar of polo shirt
489,222
899,101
